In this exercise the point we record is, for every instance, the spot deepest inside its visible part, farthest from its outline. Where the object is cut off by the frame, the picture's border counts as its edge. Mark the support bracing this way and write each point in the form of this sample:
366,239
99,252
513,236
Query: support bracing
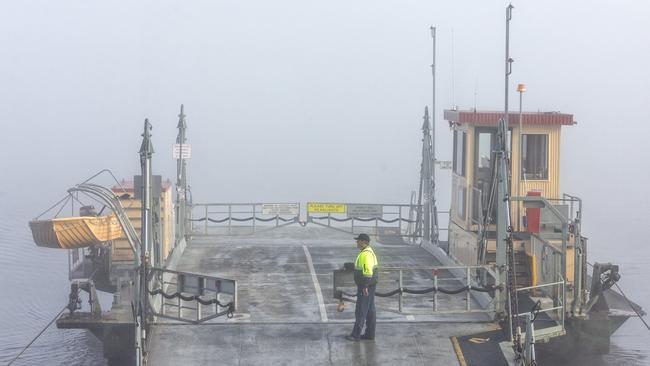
181,179
428,216
146,151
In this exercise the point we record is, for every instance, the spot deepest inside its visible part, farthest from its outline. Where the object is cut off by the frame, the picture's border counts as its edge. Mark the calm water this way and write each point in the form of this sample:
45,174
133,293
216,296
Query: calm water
35,287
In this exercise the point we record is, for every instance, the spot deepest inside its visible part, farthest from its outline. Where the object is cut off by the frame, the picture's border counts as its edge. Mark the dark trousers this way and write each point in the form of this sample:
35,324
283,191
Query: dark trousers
365,312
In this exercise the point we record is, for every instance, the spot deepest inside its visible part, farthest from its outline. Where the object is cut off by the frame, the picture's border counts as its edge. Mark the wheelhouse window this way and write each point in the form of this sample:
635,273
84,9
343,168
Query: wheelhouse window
484,150
534,157
460,202
460,138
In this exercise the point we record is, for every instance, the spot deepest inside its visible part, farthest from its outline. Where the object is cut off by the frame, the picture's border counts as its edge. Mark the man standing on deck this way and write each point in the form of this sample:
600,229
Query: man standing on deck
365,276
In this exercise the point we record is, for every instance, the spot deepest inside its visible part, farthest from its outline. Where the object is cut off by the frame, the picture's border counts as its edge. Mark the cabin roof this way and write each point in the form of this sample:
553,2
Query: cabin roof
491,118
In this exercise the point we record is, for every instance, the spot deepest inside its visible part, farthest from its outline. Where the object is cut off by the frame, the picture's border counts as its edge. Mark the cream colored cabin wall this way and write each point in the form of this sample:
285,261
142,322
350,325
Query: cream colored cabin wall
122,250
462,245
167,222
550,188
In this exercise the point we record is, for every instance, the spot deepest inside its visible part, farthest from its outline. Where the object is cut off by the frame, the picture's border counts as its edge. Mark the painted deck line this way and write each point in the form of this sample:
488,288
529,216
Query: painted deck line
459,352
319,293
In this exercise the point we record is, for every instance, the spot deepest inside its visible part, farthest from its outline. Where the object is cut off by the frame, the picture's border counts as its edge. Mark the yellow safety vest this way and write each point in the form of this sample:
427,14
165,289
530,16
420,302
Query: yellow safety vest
366,266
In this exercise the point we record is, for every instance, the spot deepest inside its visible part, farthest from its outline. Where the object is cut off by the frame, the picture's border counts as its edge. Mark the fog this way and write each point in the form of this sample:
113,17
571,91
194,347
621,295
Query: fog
320,101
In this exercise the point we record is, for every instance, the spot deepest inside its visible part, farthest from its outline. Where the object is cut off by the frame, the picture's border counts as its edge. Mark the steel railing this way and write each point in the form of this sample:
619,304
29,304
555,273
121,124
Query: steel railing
190,297
395,220
444,281
238,218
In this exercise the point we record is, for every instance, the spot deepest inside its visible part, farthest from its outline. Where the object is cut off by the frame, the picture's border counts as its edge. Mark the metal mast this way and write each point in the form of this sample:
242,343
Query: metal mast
503,211
181,179
427,220
146,151
434,224
425,179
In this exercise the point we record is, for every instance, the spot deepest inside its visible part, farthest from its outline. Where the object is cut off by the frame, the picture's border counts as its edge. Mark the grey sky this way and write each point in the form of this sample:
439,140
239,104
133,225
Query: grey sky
304,100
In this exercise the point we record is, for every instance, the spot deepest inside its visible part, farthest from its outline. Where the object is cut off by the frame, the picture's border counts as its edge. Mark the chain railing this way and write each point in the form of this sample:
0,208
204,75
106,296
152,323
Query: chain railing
208,219
190,297
426,284
388,220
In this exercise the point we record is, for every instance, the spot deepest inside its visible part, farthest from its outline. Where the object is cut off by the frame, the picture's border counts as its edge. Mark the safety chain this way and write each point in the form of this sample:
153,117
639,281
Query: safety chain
245,219
512,294
406,290
362,219
230,306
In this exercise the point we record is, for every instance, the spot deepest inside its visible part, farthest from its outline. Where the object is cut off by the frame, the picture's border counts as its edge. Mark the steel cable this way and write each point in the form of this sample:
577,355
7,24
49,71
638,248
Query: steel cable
628,302
38,335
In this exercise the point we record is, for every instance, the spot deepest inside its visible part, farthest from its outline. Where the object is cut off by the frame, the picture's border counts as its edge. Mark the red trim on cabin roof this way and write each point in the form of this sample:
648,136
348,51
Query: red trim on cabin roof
488,118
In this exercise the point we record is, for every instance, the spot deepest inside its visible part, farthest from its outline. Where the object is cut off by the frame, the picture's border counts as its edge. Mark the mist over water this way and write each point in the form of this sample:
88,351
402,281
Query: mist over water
297,101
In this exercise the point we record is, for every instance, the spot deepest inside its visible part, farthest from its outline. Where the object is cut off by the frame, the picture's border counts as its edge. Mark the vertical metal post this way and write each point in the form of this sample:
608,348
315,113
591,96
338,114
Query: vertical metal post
181,178
503,209
206,220
435,290
399,221
564,274
146,151
376,226
521,88
562,310
434,224
529,344
426,169
401,285
229,219
468,281
509,61
578,259
254,218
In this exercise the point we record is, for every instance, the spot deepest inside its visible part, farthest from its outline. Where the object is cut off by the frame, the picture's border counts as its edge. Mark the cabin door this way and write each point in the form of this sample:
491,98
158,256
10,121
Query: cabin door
485,145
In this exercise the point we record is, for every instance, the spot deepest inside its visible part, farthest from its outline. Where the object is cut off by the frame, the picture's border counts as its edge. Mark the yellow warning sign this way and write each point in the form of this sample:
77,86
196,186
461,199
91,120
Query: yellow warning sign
321,207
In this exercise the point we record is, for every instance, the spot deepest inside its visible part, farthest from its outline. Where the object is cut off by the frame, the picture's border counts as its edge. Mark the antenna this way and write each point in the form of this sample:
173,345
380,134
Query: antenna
475,92
453,73
433,102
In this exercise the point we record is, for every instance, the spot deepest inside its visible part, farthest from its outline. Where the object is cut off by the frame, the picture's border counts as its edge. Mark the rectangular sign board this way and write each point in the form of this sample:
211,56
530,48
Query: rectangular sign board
365,211
444,164
323,207
281,209
185,150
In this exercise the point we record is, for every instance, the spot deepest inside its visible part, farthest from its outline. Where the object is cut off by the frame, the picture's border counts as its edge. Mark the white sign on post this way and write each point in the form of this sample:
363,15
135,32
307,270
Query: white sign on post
280,209
444,164
184,149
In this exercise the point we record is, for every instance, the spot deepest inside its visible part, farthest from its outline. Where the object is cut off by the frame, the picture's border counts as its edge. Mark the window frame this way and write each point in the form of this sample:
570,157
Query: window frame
463,163
546,160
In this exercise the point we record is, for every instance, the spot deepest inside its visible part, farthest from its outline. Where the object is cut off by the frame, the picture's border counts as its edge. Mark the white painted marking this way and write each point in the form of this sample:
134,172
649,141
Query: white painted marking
410,317
319,293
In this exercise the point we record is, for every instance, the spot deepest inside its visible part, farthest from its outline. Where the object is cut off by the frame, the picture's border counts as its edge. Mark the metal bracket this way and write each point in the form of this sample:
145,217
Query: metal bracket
74,302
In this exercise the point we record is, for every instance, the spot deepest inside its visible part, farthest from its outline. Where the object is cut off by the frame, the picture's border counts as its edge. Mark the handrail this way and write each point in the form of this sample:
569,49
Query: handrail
539,286
466,279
